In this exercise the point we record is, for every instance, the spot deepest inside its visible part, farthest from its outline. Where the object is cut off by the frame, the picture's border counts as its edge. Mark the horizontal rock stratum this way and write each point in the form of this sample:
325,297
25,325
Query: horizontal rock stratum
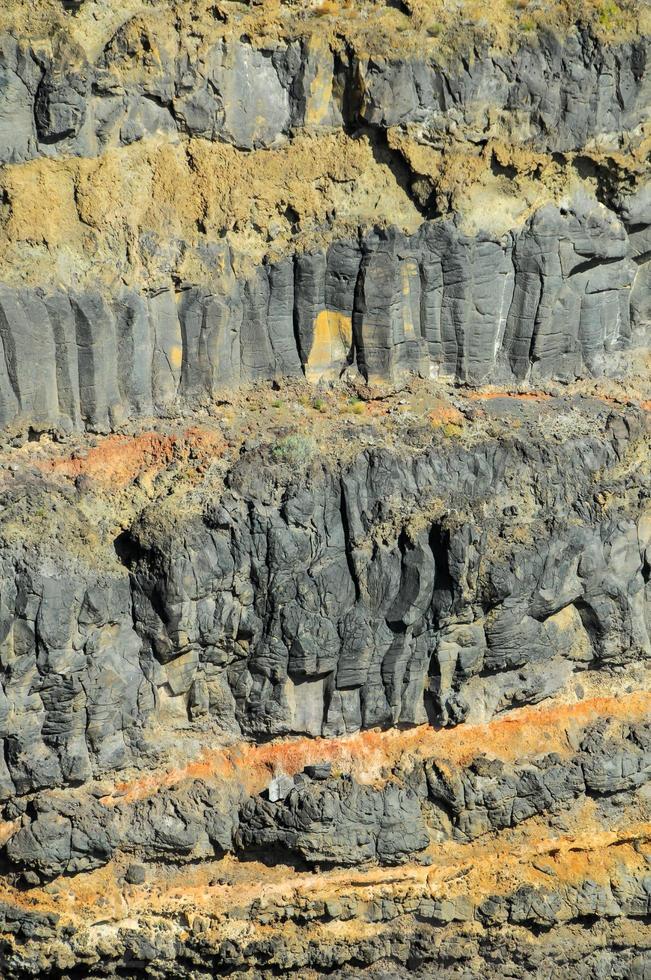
551,300
186,213
325,497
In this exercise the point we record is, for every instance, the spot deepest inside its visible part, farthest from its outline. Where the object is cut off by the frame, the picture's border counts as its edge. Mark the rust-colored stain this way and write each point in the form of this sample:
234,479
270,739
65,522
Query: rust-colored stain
370,754
118,460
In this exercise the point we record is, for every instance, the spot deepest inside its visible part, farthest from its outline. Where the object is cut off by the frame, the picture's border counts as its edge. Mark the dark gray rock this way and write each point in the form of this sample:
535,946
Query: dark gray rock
610,769
198,821
281,610
555,96
396,612
321,770
135,875
566,311
336,822
552,299
64,836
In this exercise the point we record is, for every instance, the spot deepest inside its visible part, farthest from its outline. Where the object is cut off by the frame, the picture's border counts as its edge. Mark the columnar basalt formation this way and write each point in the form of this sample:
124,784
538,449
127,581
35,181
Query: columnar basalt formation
550,301
449,272
325,534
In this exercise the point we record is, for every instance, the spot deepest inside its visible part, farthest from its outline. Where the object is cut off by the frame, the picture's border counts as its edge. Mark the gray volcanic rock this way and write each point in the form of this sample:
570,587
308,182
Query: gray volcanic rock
626,768
336,823
392,613
342,822
75,675
199,819
309,597
555,95
333,820
560,297
191,606
575,314
550,300
489,796
64,836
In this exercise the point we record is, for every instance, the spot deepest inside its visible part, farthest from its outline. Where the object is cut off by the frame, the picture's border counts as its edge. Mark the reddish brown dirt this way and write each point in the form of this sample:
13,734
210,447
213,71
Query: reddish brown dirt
118,460
487,394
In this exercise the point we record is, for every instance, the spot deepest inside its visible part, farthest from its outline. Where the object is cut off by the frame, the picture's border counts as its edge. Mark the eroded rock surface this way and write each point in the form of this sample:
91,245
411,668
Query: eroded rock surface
452,577
434,572
482,214
325,534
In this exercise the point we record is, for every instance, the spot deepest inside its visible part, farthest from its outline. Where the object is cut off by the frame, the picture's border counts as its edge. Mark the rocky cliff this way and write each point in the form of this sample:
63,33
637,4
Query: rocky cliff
325,534
186,208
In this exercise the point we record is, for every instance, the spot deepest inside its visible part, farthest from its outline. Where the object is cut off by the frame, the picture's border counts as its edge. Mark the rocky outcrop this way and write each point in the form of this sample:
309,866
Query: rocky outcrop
556,94
192,695
327,819
550,301
313,597
325,540
429,936
556,292
330,820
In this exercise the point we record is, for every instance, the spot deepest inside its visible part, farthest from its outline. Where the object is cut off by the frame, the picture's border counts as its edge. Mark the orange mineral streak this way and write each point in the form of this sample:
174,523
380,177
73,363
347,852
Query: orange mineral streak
119,460
444,414
491,865
371,754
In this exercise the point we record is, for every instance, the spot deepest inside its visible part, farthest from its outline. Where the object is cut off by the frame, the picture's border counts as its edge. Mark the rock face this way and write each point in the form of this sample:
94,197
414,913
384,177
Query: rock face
558,291
321,602
557,93
435,576
549,301
325,536
338,822
334,821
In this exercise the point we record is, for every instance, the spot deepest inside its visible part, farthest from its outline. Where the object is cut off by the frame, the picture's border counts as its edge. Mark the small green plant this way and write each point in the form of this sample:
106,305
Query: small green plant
434,28
357,406
608,13
450,430
294,449
277,404
319,405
